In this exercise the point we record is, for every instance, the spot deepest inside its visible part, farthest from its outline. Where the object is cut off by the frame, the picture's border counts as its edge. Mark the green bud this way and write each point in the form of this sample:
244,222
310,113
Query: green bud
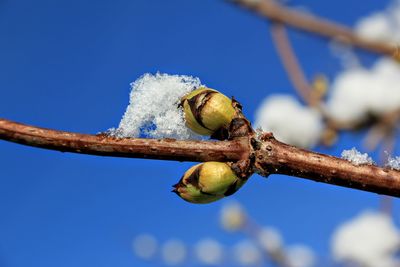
207,110
208,182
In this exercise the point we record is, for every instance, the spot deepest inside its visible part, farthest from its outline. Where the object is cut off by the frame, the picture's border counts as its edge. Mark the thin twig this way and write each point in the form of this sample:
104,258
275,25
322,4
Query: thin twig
297,77
291,64
316,25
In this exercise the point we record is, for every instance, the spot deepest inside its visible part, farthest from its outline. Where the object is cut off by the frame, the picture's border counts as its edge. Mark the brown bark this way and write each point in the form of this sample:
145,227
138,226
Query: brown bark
267,155
273,156
101,145
291,63
316,25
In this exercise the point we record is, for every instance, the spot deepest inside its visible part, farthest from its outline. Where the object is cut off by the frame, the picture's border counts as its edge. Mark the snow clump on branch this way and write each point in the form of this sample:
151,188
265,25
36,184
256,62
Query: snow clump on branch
289,121
393,163
371,239
356,157
153,108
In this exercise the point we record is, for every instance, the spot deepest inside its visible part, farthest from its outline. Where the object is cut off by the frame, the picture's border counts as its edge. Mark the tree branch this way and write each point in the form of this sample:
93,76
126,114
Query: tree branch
273,156
266,155
328,29
101,145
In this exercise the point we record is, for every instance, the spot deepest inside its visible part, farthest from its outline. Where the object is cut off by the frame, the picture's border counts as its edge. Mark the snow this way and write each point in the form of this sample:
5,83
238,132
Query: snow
300,256
209,251
246,253
393,163
382,25
145,246
370,239
270,239
356,157
232,216
289,121
173,252
358,92
153,107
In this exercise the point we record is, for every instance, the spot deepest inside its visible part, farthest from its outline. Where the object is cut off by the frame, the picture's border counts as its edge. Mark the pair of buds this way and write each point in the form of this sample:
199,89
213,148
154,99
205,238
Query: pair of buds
207,111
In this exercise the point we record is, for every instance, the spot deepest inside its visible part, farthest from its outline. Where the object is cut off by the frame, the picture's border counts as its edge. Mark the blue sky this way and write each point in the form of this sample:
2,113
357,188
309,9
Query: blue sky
68,64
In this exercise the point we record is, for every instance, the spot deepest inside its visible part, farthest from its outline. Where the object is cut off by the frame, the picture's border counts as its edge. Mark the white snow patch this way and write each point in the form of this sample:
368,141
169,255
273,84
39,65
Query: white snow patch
247,253
289,121
356,157
370,239
382,25
393,162
300,256
209,251
153,107
145,246
270,239
173,252
358,92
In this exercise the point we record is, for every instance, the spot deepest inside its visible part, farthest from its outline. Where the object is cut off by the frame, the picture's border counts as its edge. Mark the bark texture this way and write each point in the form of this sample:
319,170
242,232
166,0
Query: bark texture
263,154
102,145
274,157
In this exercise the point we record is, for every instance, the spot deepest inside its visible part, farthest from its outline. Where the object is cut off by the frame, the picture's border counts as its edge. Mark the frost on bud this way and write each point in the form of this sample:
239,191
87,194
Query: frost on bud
208,182
207,110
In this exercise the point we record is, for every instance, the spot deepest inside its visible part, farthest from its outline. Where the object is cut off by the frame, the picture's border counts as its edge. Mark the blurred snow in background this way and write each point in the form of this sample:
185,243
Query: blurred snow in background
246,253
289,121
261,245
370,239
209,251
381,25
300,256
355,94
174,252
358,92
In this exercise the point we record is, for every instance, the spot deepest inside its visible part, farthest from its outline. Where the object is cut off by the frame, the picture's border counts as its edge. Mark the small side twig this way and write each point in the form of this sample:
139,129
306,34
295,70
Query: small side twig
291,63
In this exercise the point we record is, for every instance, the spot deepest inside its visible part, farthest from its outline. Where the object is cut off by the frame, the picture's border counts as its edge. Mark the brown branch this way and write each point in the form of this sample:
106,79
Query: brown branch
166,149
273,156
291,64
267,156
313,24
297,77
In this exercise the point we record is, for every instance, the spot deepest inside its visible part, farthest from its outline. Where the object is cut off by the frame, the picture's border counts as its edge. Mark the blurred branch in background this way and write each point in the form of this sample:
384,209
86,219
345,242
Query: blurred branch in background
276,12
262,246
291,64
